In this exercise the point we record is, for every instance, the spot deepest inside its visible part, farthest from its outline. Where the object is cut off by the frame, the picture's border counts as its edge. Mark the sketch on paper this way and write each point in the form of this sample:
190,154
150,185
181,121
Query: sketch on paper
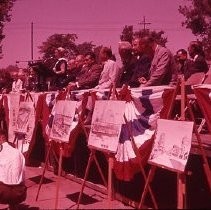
106,125
23,117
62,122
172,144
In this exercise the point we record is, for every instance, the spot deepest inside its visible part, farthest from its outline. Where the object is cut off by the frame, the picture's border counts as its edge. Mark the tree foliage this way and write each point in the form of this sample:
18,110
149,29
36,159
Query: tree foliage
85,47
68,42
128,34
5,16
198,19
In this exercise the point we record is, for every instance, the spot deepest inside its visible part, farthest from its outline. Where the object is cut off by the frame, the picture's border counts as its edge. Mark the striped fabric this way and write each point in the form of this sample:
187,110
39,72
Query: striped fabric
141,113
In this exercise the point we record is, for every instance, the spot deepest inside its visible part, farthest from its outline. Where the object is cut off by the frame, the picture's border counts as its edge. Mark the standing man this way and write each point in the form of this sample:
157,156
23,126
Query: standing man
163,69
12,166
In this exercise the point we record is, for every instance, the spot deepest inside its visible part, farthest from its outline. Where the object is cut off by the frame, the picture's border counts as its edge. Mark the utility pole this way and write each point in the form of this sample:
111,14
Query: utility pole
144,23
32,41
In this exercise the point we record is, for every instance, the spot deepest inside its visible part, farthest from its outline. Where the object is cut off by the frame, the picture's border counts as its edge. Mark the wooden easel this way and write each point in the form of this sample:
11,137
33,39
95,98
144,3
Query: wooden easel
181,177
114,95
59,161
92,157
50,149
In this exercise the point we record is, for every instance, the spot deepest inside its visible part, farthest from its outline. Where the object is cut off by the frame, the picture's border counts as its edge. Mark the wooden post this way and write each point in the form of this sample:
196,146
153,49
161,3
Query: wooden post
181,177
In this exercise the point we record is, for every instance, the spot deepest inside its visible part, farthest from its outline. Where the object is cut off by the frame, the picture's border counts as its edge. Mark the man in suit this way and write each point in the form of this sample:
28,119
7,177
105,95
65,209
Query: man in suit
196,53
163,69
184,64
89,75
136,64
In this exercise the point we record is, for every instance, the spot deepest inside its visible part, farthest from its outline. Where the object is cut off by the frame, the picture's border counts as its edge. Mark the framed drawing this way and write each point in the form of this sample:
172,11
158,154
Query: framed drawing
24,113
106,125
62,121
172,144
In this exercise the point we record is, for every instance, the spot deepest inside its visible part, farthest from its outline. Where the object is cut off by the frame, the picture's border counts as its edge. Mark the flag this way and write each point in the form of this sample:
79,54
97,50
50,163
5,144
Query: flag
142,111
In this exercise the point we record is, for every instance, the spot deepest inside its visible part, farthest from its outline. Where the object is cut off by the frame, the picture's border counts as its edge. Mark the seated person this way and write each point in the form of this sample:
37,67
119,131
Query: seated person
89,75
184,65
12,166
110,73
17,85
128,64
196,52
75,66
163,69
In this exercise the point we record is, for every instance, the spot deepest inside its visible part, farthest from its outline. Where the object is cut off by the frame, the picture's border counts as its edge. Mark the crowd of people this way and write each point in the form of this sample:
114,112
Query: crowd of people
144,63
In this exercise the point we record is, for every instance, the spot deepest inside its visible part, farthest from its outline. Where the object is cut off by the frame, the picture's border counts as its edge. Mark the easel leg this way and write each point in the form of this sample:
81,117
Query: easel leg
110,170
85,176
140,164
181,191
43,173
100,171
58,178
206,167
146,186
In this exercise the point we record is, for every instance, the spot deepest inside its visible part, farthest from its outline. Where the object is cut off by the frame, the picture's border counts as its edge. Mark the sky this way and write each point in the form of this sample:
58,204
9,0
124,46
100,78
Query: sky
99,21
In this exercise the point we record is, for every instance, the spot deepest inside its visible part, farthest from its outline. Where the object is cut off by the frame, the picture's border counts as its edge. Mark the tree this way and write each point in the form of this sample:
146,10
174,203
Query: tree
128,34
5,16
85,47
198,19
67,41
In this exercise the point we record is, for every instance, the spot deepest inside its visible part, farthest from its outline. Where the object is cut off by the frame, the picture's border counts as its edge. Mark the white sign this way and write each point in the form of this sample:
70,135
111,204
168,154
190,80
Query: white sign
172,144
25,111
106,125
62,122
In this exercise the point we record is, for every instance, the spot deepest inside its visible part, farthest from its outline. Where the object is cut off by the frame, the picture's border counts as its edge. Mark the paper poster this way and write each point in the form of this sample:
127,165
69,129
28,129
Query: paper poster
25,110
172,144
106,125
63,118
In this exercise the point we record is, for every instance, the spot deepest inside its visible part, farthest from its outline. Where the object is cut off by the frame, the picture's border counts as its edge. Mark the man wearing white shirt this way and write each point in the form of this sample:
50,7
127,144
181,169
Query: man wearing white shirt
17,85
12,166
